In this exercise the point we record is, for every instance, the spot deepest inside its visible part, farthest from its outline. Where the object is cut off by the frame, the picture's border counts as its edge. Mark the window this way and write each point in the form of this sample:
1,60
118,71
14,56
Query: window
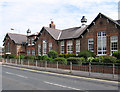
28,41
101,43
39,49
114,43
50,46
28,52
32,41
91,44
62,47
44,47
69,47
77,46
8,47
33,51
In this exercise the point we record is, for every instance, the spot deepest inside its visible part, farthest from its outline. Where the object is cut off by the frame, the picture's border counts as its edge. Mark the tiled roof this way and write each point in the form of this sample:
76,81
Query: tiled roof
18,38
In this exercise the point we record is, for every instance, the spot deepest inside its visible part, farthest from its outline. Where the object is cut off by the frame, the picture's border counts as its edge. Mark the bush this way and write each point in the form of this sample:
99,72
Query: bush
118,61
12,56
96,59
37,57
52,54
90,59
86,54
22,56
107,59
60,60
29,57
67,55
116,54
75,60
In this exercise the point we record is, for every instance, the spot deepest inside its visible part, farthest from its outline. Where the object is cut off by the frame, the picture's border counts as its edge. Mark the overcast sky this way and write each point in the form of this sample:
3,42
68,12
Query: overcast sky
34,14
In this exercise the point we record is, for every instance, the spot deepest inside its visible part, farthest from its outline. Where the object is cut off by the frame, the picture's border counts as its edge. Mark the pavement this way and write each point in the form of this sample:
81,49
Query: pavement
68,72
18,78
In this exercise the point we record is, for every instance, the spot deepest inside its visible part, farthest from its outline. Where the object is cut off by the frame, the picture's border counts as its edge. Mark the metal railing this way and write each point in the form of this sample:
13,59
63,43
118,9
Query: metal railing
108,68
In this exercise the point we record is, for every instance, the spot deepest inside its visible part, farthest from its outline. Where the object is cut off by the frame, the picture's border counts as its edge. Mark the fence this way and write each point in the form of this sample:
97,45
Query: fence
109,68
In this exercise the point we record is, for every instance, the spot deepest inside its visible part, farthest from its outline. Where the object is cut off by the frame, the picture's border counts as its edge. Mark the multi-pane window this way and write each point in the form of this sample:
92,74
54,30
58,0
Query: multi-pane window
69,47
114,43
50,46
39,49
28,52
62,47
44,47
91,44
8,47
28,41
101,43
77,46
33,51
32,41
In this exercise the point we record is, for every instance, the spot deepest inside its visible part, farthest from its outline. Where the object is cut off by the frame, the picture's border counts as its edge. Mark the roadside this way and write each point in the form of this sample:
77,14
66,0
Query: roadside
93,75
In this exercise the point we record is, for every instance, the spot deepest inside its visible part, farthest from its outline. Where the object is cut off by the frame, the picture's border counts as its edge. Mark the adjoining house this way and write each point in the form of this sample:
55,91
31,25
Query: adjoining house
15,43
102,37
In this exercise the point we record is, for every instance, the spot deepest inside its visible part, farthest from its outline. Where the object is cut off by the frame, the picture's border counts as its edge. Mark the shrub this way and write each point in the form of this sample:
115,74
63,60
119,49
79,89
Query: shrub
22,56
86,54
37,57
116,54
52,54
118,61
75,60
44,57
29,57
12,56
96,59
107,59
90,59
60,60
67,55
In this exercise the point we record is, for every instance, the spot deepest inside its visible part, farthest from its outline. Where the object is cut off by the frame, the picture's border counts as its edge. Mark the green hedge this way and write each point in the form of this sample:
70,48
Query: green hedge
60,60
116,54
75,60
52,54
67,55
86,54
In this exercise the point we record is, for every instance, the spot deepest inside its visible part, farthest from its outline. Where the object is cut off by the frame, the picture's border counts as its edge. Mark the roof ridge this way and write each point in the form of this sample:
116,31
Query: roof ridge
17,34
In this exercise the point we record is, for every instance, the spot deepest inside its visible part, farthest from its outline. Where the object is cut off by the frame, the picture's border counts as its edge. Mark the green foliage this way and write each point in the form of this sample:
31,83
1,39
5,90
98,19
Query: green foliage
90,59
75,60
12,56
60,60
116,54
118,61
86,54
44,57
96,59
29,57
67,55
52,54
37,57
22,56
107,59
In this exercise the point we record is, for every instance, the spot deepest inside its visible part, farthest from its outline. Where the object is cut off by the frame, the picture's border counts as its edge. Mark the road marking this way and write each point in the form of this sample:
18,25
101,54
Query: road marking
61,85
16,75
72,76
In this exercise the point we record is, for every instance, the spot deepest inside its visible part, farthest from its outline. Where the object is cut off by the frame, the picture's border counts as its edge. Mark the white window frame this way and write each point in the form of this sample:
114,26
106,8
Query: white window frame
28,41
69,47
113,39
39,49
50,46
33,51
44,47
91,42
101,36
32,41
77,47
62,47
28,52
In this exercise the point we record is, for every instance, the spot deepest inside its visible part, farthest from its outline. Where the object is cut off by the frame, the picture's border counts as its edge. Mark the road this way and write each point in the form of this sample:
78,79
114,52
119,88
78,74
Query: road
21,79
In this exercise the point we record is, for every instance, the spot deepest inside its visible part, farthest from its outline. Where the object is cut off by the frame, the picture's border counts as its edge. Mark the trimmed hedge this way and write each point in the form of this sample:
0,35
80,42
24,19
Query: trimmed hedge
86,54
52,54
116,54
67,55
76,60
60,60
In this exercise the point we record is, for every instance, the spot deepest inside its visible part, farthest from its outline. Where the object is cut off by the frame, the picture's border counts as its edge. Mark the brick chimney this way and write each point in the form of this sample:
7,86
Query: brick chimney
52,25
